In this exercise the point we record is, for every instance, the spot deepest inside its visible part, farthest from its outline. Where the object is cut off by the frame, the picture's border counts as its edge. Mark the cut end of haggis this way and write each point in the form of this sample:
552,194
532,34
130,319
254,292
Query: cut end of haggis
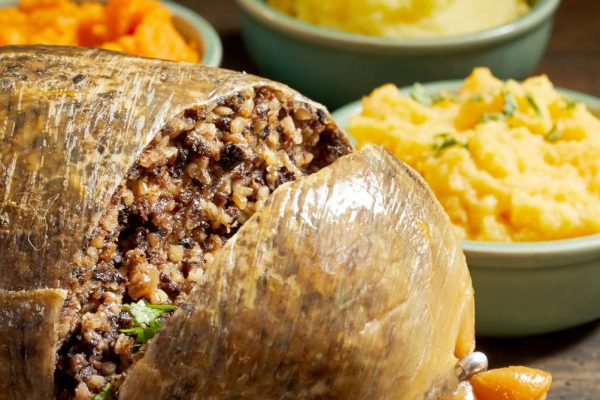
347,284
121,178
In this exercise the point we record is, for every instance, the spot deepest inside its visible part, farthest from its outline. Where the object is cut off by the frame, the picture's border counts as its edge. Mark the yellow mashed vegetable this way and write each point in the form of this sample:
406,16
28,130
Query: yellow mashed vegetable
405,18
509,161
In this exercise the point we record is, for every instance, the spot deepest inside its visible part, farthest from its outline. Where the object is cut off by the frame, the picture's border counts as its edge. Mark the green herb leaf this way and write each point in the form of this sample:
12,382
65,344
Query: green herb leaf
145,316
554,135
144,313
569,102
417,93
533,103
445,96
494,116
445,140
105,394
475,98
510,105
144,333
509,109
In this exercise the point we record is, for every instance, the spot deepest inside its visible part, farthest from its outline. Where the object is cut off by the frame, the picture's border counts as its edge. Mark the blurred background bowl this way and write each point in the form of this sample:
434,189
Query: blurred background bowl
193,28
527,288
337,67
198,31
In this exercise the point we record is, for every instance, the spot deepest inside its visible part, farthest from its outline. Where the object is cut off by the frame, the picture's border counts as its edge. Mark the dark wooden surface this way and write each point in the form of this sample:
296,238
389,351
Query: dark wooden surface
572,61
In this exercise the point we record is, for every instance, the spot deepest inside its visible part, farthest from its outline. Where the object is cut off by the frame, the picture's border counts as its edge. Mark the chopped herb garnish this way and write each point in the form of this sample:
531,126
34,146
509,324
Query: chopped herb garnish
569,102
509,109
554,135
144,313
475,98
494,116
533,103
105,394
445,140
445,96
145,317
417,93
510,105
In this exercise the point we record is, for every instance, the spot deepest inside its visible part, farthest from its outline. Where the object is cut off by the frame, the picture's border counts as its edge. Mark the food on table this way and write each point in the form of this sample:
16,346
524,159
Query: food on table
142,27
348,283
405,18
509,161
124,182
511,383
121,177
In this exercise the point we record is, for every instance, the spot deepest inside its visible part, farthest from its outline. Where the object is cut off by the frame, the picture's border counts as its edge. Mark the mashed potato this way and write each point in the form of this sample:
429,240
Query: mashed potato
405,18
508,161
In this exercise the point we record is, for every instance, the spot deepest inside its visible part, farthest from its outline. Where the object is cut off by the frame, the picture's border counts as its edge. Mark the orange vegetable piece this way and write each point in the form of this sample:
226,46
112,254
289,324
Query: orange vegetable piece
92,27
124,16
157,39
512,383
29,5
142,27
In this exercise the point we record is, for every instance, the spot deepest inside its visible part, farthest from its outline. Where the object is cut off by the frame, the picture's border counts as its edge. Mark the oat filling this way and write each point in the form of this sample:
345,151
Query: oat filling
190,190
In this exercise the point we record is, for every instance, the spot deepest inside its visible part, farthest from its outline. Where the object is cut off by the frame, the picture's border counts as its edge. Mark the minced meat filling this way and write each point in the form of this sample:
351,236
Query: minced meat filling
190,190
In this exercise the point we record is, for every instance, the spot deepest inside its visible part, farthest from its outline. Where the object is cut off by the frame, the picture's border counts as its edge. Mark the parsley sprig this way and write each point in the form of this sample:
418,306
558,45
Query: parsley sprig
510,104
445,140
554,135
417,93
508,110
533,103
493,116
569,103
105,393
451,97
145,317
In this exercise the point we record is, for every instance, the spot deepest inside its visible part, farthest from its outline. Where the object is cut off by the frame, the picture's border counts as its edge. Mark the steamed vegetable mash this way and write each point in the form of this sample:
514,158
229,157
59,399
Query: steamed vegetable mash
141,27
405,18
508,161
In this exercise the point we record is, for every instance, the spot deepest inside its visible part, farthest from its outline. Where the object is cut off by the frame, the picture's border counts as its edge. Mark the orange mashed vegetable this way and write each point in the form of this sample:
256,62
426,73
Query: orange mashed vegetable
140,27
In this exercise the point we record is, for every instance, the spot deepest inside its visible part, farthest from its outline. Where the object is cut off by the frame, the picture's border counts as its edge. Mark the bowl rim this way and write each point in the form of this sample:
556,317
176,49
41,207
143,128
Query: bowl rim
540,12
212,47
476,248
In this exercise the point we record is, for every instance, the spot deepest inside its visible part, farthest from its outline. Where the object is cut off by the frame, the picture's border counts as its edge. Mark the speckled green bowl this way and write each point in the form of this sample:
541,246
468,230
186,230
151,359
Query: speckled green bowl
337,67
192,27
527,288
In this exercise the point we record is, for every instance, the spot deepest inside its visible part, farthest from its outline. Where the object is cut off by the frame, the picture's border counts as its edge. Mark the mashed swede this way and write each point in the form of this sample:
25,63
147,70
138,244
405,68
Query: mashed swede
140,27
405,18
508,161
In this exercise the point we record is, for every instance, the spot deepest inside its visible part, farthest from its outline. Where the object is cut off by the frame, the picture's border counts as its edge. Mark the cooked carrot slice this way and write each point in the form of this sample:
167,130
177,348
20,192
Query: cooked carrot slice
512,383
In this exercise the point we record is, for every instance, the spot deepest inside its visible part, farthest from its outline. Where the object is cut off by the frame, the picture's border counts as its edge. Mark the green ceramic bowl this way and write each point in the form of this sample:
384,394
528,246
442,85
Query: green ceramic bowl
192,27
197,30
337,67
527,288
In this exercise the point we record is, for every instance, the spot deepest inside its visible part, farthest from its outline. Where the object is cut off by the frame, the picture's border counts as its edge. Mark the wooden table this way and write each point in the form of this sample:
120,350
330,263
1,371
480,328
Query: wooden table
572,61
